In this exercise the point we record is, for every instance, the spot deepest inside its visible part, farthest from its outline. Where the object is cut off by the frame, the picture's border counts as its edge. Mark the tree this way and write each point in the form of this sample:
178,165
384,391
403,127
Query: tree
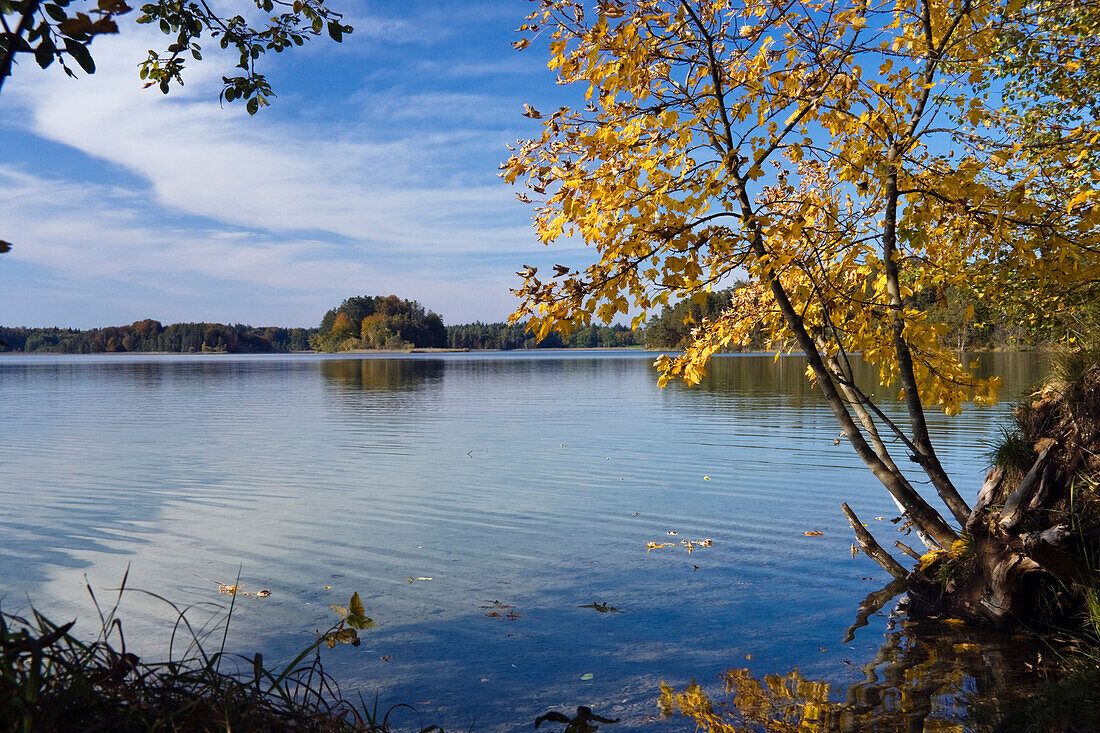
377,322
63,31
843,154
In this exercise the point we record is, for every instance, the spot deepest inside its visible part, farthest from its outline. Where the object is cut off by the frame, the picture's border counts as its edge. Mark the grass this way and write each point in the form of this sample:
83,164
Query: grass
1012,451
52,681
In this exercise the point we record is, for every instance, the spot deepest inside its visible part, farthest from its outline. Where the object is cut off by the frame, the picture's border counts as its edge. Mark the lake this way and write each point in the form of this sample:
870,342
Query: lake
477,503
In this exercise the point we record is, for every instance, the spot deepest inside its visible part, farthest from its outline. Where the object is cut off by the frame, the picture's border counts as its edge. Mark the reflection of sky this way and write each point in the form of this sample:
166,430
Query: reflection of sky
511,478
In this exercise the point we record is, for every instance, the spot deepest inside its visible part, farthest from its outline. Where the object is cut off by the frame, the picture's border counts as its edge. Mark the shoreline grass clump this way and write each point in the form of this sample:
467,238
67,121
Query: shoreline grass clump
52,681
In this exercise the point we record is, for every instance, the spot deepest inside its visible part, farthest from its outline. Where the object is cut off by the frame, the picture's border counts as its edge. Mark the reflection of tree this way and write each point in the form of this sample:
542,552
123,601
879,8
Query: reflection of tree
382,374
923,679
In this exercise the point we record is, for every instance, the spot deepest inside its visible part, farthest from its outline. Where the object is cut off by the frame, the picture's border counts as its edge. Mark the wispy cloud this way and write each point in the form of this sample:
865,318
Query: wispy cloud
405,200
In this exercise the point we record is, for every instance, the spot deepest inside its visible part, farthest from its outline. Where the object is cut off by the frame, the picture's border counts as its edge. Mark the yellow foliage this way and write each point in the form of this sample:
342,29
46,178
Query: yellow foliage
720,138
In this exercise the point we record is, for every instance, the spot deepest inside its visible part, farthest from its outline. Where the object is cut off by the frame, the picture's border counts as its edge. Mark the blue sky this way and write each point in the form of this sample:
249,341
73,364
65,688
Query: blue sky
374,172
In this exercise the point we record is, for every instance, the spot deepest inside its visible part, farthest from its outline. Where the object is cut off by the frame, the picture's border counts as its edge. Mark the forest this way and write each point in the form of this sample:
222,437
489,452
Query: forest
151,336
364,323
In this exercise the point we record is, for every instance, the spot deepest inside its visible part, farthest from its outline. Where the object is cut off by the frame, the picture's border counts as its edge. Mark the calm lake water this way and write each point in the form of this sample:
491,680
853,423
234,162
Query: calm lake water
525,480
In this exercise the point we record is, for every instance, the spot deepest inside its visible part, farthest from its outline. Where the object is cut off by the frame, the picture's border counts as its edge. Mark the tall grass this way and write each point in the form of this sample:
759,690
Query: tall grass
52,681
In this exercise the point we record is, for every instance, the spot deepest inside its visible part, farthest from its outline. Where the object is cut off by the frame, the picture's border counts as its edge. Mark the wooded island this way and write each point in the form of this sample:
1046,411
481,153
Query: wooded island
390,323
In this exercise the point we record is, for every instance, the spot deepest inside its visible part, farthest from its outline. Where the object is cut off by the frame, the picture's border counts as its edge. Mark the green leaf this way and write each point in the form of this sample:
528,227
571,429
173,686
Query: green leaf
44,53
347,636
356,605
358,621
79,52
335,31
55,12
253,106
318,24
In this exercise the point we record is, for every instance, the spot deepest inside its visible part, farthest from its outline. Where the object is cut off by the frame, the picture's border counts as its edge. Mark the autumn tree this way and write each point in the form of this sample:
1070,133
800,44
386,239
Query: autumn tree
379,322
843,155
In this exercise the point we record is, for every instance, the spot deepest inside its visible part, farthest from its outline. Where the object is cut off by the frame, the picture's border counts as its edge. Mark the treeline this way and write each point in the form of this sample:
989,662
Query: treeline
973,323
507,337
150,335
671,328
391,323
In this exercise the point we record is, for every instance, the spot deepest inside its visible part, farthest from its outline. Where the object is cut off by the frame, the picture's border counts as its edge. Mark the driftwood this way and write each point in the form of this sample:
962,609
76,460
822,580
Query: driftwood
1016,504
907,550
1045,496
993,481
871,548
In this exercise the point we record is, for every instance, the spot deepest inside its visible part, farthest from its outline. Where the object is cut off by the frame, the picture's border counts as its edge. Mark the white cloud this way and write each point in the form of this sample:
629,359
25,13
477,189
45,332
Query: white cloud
323,208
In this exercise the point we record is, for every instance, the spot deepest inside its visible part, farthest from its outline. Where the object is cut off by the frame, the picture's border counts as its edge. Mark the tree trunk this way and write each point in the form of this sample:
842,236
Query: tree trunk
1028,556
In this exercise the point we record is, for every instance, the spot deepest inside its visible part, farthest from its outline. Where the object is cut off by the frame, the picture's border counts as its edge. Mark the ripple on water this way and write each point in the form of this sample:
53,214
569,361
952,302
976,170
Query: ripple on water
534,481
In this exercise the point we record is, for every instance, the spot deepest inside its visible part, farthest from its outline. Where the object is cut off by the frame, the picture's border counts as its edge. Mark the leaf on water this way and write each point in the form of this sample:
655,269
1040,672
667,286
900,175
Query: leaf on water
671,532
601,607
814,533
263,593
655,545
587,676
230,589
501,610
706,478
341,611
356,606
413,580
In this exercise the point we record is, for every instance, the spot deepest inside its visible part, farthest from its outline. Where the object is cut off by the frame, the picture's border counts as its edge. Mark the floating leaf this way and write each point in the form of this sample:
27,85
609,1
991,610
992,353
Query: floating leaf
341,611
587,676
356,606
814,533
601,607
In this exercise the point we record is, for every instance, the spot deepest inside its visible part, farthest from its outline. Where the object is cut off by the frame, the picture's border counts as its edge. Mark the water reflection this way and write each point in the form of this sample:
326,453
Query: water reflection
927,676
382,374
535,480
